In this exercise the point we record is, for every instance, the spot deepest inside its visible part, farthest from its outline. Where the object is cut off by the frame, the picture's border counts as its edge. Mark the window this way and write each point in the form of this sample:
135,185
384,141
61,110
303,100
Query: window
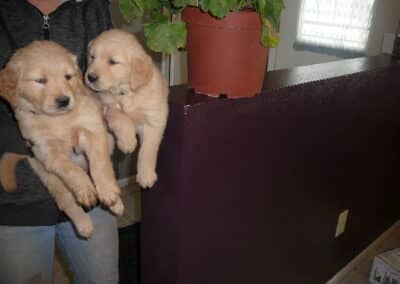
335,25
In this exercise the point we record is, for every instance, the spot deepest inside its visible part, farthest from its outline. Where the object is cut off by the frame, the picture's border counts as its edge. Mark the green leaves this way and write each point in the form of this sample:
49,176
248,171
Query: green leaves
271,10
131,9
184,3
219,8
152,5
164,36
269,38
270,13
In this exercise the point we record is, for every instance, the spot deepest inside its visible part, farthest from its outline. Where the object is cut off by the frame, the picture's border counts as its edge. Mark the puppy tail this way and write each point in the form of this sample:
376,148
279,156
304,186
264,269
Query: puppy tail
8,164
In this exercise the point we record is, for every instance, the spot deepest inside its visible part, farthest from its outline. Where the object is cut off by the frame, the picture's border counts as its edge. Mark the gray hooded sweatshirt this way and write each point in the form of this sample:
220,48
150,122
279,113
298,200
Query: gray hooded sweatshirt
73,24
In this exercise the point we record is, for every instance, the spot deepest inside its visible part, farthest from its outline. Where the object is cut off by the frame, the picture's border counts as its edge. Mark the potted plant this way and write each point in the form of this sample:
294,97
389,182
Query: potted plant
227,40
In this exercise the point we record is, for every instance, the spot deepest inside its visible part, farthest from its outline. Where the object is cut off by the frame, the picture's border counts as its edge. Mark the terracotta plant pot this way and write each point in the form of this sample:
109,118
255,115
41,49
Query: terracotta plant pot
225,56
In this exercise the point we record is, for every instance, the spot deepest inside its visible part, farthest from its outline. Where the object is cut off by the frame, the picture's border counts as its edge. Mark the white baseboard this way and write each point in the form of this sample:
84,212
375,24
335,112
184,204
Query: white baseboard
126,181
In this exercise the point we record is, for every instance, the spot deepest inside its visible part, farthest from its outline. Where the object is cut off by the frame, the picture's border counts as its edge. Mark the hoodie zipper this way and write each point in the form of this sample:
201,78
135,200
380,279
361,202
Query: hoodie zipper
46,27
46,18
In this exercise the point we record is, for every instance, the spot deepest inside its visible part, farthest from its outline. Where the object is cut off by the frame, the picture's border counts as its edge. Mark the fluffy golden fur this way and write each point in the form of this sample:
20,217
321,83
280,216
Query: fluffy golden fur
63,121
135,96
64,199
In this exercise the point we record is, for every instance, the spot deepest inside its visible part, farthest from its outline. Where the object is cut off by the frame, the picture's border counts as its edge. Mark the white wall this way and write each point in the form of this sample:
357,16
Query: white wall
385,20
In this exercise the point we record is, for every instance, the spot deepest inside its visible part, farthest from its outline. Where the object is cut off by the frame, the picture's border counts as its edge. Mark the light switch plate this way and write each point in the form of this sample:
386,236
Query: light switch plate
341,223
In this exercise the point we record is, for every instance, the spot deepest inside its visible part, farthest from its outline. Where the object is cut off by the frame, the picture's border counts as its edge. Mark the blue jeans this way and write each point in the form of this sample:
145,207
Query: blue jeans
27,253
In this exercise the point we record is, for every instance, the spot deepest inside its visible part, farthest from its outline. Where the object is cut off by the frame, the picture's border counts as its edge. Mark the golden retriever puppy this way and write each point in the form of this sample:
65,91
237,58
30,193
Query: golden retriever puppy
64,199
63,121
135,96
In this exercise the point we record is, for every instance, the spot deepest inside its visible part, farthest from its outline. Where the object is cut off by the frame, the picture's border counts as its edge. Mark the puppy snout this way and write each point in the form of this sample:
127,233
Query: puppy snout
62,101
92,77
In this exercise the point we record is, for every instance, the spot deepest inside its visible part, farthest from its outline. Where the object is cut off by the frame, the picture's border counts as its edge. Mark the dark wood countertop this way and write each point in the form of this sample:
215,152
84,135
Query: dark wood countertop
278,79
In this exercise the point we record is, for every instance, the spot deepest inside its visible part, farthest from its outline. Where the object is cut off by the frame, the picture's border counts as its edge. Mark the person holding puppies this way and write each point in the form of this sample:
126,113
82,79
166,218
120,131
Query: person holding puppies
30,221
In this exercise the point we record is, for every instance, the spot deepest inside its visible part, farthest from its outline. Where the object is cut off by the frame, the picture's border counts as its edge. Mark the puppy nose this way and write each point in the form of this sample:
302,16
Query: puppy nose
62,101
92,77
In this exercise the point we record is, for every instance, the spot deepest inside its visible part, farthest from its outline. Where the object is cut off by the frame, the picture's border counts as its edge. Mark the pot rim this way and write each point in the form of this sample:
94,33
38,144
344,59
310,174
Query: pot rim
244,19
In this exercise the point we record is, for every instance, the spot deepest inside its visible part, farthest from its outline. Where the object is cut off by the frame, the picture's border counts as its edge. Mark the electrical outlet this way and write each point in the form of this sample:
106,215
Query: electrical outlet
341,223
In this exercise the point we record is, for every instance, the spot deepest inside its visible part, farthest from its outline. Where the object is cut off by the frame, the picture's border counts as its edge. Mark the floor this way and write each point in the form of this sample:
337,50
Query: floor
356,272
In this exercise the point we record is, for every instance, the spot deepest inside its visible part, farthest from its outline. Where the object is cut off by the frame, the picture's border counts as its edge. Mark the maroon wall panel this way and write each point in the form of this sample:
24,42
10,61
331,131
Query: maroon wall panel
250,190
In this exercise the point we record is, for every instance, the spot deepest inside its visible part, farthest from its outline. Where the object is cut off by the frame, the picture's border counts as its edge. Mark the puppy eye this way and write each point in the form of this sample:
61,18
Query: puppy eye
41,81
91,57
112,62
68,77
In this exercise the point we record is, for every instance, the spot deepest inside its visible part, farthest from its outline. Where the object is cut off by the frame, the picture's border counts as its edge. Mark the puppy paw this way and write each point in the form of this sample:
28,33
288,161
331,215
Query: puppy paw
109,111
85,226
118,208
86,196
109,196
146,178
128,144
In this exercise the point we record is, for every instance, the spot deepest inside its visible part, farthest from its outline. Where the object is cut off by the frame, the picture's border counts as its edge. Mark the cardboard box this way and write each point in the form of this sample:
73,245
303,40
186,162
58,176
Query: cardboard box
386,268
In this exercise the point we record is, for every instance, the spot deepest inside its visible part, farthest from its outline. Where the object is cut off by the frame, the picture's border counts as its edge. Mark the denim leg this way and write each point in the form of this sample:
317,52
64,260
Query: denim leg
26,254
93,260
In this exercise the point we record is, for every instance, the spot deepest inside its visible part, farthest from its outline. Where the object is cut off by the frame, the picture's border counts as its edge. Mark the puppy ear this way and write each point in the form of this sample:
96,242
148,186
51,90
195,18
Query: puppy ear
141,72
8,85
